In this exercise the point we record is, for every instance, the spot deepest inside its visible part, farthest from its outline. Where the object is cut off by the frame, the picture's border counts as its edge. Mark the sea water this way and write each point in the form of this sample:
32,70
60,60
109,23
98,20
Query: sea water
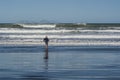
74,54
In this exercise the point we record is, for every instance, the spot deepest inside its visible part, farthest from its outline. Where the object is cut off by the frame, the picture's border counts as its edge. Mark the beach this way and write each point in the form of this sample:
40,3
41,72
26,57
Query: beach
73,53
59,40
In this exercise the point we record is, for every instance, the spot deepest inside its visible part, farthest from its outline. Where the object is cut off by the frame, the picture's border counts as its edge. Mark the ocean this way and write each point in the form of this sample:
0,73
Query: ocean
74,53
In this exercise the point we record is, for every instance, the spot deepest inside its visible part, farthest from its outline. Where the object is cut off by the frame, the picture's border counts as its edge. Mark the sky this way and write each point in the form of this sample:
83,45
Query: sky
65,11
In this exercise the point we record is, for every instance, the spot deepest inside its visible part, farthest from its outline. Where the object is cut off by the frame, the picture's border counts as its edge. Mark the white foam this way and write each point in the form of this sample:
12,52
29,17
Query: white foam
35,37
12,30
38,25
33,31
56,36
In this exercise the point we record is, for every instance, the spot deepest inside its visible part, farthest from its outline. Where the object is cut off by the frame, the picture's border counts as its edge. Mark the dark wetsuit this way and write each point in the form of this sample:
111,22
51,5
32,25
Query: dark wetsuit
46,40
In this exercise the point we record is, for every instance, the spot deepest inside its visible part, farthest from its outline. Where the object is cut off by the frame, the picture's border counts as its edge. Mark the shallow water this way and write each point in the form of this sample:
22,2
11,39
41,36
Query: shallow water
64,63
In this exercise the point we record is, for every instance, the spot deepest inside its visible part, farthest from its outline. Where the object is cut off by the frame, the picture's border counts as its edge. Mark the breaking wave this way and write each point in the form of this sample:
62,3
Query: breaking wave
38,25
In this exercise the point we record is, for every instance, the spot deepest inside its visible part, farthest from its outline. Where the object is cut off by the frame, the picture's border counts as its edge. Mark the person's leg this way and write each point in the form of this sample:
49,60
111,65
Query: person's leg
46,44
46,50
46,54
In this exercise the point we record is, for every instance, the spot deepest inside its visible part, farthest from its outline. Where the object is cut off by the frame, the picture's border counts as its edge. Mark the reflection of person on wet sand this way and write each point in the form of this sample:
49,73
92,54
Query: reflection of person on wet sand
46,40
46,64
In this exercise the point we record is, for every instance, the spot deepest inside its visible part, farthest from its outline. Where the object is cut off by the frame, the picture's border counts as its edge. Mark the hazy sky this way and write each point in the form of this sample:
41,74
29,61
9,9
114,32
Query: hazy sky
60,10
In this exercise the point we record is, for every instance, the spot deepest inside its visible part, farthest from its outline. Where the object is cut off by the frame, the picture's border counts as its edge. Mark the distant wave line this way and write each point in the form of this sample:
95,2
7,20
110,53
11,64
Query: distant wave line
53,31
64,36
38,25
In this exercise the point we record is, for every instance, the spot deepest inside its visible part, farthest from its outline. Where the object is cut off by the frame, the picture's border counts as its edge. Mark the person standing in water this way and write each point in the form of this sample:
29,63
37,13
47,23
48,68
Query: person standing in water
46,40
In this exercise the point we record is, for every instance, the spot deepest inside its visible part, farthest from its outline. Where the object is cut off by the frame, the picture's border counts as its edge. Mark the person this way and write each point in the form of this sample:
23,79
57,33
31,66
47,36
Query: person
46,40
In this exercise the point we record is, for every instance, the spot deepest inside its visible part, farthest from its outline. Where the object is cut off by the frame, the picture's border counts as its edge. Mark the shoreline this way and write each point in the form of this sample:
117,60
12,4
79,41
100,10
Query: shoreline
82,45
